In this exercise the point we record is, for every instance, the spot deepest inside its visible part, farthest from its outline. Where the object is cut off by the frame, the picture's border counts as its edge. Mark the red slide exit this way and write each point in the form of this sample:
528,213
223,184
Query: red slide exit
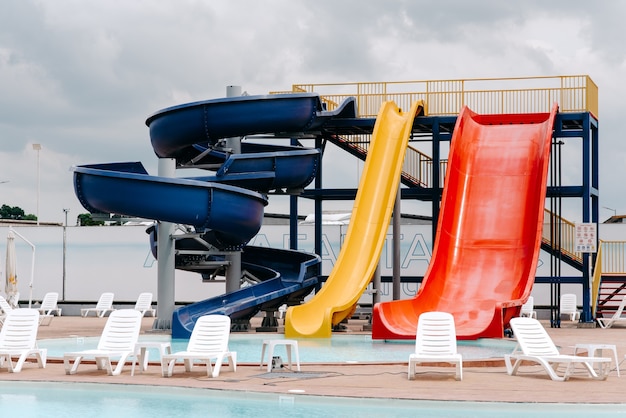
489,230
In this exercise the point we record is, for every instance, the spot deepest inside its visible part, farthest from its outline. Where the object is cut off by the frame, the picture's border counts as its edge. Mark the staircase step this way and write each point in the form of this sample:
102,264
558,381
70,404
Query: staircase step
612,290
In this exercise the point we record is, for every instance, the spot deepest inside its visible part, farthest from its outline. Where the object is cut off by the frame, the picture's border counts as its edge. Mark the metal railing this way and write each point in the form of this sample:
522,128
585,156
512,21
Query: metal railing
573,93
577,93
613,257
595,282
417,166
610,261
555,226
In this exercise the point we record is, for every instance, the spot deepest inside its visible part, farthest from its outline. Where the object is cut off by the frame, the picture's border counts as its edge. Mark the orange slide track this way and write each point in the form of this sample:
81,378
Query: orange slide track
489,230
367,230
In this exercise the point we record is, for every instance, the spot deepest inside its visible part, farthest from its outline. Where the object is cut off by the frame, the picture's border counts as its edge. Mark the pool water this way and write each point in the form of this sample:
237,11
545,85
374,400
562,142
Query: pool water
86,400
338,349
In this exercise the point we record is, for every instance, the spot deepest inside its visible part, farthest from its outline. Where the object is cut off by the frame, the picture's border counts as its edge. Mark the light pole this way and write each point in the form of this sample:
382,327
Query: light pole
37,147
64,251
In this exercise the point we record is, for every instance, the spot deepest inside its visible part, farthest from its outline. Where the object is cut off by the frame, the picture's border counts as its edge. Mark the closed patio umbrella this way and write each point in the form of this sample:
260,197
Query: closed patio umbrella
11,290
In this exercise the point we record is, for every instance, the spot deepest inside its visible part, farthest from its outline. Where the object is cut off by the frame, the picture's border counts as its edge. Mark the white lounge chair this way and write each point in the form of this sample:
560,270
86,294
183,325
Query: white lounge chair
104,305
18,338
569,307
535,345
616,318
435,343
5,308
49,308
208,341
144,304
528,308
117,341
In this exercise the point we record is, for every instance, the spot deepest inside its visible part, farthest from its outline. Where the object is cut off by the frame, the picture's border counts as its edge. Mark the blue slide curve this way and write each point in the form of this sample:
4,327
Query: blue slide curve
224,209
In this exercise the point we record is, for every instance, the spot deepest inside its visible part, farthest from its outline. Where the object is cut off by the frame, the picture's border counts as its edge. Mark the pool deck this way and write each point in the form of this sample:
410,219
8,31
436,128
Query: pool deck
482,380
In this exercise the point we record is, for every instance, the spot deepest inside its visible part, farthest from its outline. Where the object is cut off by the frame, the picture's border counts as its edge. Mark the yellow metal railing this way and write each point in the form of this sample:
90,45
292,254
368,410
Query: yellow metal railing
595,281
446,97
553,226
610,260
573,93
613,257
417,166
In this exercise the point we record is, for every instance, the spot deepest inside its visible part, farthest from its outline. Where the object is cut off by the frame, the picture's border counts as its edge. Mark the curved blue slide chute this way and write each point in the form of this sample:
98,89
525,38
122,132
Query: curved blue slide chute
232,213
226,208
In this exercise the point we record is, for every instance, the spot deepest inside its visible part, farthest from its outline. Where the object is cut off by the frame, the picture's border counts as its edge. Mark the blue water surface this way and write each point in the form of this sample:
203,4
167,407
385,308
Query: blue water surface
338,349
86,400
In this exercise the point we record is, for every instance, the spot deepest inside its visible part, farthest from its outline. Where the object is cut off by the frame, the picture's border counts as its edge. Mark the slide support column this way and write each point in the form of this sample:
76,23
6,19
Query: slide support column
166,300
233,272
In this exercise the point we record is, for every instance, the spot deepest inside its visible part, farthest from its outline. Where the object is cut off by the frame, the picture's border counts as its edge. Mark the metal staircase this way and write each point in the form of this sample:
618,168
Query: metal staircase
578,106
555,226
609,279
416,168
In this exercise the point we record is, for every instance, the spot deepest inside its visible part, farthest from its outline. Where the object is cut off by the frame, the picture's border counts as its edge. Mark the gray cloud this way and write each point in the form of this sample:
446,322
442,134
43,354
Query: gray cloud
81,77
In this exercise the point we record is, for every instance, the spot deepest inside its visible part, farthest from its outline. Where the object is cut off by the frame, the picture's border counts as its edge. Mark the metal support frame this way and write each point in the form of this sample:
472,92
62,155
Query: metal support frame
583,126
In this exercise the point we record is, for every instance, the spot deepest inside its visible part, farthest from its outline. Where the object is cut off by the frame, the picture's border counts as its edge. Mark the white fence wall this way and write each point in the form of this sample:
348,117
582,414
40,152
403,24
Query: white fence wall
118,259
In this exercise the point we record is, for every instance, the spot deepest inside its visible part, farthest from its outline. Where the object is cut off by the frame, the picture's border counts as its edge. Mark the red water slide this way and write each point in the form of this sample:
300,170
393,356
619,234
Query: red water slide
489,230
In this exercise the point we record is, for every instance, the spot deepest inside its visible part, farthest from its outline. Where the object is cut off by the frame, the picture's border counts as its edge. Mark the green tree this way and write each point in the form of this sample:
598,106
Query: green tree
15,212
85,219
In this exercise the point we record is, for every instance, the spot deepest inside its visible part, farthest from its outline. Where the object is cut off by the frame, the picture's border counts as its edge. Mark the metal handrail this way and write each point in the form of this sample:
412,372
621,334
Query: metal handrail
613,257
574,93
552,224
417,166
610,261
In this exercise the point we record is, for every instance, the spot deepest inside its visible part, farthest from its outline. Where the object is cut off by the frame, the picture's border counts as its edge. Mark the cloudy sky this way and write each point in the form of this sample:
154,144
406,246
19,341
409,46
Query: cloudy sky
80,77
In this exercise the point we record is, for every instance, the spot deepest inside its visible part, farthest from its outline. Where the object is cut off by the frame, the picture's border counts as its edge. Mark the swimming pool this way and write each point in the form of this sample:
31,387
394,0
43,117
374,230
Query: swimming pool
86,400
338,349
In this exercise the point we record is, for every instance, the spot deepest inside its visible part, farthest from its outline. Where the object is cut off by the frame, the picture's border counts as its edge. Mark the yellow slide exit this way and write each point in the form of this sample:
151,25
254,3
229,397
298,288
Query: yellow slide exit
367,230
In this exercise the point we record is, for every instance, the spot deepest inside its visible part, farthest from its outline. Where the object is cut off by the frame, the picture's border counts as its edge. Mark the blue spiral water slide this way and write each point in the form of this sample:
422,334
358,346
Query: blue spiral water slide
225,209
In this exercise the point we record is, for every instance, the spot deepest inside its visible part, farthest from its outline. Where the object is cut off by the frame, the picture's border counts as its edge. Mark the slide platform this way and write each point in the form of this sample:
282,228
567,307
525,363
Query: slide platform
489,230
366,233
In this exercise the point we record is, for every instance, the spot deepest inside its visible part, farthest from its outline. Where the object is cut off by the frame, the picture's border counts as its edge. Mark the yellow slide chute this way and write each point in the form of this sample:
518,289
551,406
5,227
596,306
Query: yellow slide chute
368,227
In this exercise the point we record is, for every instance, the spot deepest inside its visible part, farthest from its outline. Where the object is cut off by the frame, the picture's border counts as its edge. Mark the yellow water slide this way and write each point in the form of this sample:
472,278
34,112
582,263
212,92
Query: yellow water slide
368,227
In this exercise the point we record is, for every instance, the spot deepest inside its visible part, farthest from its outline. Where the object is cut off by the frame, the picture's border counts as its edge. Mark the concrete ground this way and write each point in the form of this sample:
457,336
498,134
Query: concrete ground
482,380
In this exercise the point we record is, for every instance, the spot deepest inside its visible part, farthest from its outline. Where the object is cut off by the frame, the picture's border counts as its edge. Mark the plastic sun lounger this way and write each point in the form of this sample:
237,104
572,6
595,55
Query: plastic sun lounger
208,341
5,308
436,342
117,341
535,345
49,308
104,305
569,307
528,309
18,338
144,304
